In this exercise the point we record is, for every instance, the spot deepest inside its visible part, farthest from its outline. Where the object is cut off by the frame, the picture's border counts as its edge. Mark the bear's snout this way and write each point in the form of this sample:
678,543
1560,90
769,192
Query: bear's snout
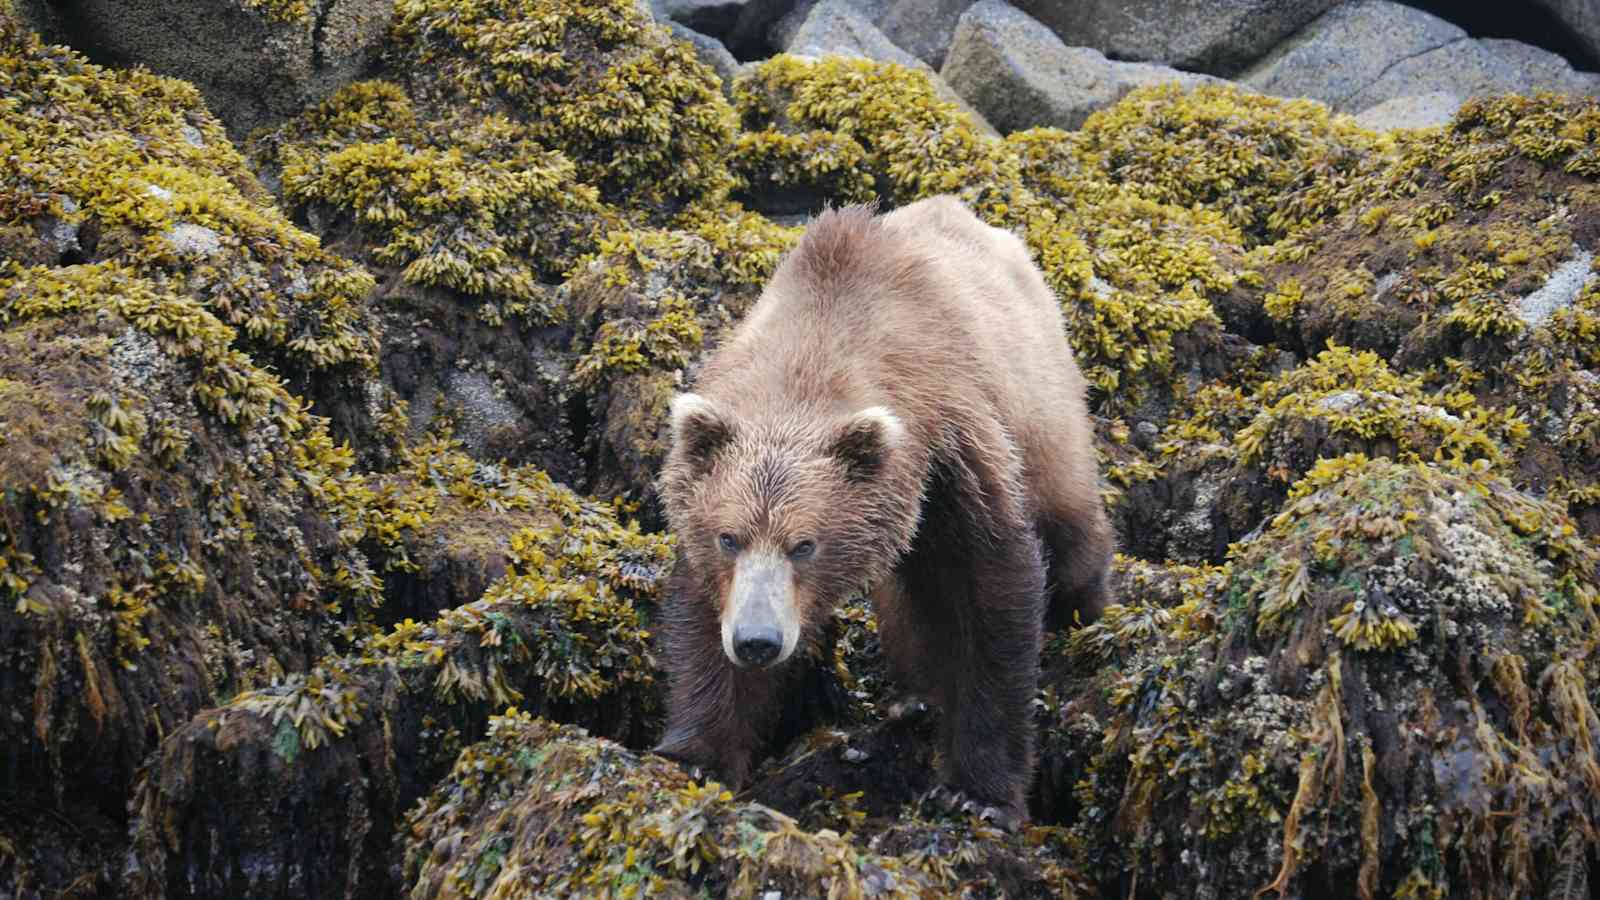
760,624
757,645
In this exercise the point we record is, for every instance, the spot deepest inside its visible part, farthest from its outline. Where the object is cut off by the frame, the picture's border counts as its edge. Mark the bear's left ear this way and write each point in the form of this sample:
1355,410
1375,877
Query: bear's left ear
863,442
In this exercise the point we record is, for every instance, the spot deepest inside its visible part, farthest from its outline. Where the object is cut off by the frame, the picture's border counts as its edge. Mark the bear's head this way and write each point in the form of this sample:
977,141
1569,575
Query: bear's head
780,518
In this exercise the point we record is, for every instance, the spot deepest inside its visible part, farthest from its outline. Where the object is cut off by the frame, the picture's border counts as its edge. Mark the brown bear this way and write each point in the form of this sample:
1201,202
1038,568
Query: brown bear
898,415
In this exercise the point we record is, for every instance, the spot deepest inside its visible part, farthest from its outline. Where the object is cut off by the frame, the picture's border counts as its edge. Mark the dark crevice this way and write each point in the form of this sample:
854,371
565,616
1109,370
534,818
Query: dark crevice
1523,22
318,58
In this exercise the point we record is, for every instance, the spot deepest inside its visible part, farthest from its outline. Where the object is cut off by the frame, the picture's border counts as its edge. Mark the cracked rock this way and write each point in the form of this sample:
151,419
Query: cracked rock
1018,74
1361,56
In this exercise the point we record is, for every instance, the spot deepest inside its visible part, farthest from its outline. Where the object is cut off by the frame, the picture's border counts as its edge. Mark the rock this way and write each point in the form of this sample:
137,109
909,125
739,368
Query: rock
1215,36
1537,66
1581,17
1424,111
560,633
591,812
1019,75
172,528
840,28
1366,53
836,27
1465,68
1569,280
921,28
711,17
256,63
924,28
1325,721
711,51
1335,57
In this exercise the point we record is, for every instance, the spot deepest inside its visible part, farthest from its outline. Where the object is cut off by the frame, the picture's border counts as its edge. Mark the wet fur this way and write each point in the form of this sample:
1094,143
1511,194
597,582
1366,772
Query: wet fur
982,523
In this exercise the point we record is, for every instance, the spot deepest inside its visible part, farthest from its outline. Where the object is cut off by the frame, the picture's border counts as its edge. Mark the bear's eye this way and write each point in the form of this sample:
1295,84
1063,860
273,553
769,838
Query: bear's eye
803,550
728,542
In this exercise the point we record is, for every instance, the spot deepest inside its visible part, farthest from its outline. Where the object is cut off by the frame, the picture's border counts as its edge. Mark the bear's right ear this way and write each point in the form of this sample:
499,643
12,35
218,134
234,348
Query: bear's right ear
699,428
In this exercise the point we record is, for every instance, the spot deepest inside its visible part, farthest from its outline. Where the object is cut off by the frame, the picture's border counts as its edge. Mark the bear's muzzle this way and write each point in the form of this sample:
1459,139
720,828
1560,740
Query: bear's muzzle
760,624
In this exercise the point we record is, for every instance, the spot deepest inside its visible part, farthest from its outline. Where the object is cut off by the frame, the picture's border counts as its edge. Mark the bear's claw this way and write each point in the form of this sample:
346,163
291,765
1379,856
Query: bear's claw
953,801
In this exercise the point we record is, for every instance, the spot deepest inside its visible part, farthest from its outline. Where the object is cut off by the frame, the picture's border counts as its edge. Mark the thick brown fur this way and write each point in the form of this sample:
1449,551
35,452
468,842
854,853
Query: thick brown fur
967,528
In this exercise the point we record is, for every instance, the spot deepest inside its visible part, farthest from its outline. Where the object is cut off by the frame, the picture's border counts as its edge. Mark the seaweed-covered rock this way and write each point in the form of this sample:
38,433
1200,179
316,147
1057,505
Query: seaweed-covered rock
471,222
168,532
1270,167
513,137
129,169
540,809
1445,243
640,116
1467,261
308,776
1389,691
256,61
646,308
1229,465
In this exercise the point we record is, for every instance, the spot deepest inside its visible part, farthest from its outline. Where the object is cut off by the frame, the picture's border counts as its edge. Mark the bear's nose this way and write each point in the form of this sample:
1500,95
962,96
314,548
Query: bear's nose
757,645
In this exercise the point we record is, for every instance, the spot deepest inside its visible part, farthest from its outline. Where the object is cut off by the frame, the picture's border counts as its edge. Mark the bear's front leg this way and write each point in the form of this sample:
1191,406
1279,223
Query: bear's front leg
717,713
981,620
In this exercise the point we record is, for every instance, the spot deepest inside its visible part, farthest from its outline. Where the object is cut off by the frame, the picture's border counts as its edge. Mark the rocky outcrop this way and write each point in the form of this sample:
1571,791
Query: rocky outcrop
310,775
1215,36
172,516
1366,53
256,62
1582,18
1344,708
1019,75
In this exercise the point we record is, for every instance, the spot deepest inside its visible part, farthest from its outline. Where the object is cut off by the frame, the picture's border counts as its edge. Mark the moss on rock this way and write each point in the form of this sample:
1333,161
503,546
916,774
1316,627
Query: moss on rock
646,307
1229,465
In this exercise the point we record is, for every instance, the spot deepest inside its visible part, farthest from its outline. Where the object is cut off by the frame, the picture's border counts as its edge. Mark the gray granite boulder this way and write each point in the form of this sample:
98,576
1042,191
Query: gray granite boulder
840,28
1019,74
254,64
1369,52
922,28
1421,111
1582,18
1215,36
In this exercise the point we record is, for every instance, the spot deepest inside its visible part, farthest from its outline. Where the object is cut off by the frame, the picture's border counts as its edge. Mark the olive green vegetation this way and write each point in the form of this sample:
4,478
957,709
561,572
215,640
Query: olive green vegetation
1392,689
561,632
163,491
256,539
542,809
